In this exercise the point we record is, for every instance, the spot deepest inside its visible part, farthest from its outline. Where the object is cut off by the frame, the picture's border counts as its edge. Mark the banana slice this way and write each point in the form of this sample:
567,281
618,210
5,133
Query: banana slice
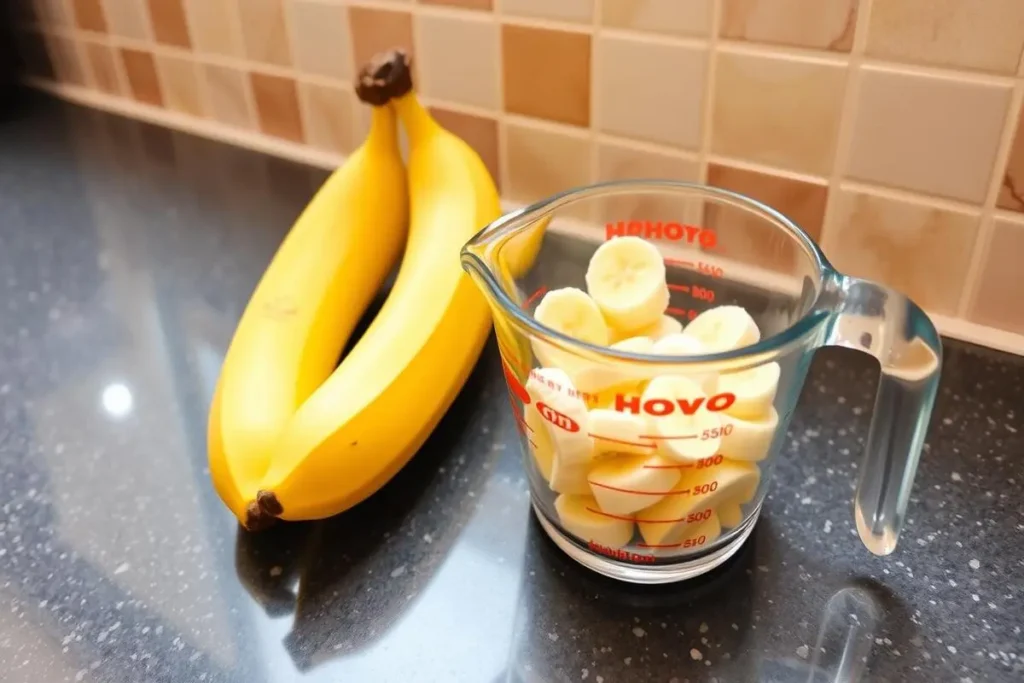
540,445
681,345
697,491
563,415
569,478
665,326
629,483
626,277
724,328
581,517
688,537
607,398
573,313
593,377
730,515
684,431
619,432
748,440
754,390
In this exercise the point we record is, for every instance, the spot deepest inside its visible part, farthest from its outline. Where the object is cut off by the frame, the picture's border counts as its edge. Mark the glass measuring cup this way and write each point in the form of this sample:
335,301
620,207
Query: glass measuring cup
681,493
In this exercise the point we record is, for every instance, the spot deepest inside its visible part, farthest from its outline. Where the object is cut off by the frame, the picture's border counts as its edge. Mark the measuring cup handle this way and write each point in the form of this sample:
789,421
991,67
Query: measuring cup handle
892,328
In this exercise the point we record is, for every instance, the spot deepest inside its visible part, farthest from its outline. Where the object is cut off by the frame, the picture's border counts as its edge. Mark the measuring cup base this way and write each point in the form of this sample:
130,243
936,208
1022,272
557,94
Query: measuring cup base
684,569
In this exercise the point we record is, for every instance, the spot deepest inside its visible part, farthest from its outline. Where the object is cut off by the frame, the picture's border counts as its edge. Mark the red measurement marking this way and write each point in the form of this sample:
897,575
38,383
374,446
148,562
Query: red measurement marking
620,441
681,492
682,312
654,436
679,288
658,545
560,420
536,295
514,385
608,514
677,262
667,467
532,444
634,519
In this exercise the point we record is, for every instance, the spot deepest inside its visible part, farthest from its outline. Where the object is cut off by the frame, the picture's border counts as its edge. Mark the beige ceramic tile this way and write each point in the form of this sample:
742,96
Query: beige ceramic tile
777,110
66,60
485,5
140,69
169,24
214,27
277,106
320,37
621,161
917,249
328,116
687,18
481,133
541,163
997,300
666,109
89,15
458,60
103,68
225,92
986,35
53,12
127,18
180,85
825,25
1011,193
264,31
375,30
563,10
546,73
934,135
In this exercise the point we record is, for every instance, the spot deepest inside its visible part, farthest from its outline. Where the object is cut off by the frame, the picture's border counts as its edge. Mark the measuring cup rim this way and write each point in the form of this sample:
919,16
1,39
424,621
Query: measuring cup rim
522,217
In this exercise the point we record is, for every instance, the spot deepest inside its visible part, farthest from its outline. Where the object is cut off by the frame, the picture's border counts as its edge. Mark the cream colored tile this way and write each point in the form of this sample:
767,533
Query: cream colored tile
542,162
801,201
103,68
997,300
328,116
934,135
659,109
180,85
226,94
68,61
674,17
621,161
264,31
781,111
127,18
915,248
53,12
987,35
214,27
825,25
320,35
458,59
564,10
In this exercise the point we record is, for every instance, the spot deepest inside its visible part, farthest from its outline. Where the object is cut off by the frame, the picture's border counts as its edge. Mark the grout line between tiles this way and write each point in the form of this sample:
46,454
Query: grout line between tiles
649,147
652,38
548,126
769,51
707,115
505,176
910,196
847,119
766,169
548,24
595,94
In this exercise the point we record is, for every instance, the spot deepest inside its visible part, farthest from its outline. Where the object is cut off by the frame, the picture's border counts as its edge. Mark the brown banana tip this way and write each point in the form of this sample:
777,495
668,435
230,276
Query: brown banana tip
256,519
268,503
386,76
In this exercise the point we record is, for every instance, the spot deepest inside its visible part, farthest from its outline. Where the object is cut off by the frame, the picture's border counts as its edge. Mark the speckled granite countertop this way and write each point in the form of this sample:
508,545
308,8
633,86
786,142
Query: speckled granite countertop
126,255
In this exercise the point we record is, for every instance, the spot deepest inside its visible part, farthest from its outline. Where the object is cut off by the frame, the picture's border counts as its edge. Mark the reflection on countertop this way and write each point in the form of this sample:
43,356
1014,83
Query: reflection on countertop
126,255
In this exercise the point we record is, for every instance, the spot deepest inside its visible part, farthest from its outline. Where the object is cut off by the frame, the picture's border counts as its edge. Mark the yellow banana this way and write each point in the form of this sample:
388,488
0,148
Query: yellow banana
304,309
365,422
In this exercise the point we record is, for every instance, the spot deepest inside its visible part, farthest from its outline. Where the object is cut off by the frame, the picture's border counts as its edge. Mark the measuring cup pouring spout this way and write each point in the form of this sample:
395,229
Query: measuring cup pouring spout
655,336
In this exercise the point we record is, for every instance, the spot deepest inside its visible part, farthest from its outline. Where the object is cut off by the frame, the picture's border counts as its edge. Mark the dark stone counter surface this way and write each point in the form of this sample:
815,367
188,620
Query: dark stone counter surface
126,255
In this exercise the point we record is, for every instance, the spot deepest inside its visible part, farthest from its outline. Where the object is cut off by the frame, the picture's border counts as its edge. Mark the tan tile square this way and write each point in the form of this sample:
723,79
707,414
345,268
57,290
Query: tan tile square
180,85
169,24
321,38
486,5
985,35
127,18
481,133
67,60
376,30
934,135
458,60
1011,193
666,110
213,24
822,25
547,73
225,93
53,12
997,300
621,161
542,163
103,68
687,18
564,10
917,249
328,116
140,69
89,15
264,31
277,106
778,110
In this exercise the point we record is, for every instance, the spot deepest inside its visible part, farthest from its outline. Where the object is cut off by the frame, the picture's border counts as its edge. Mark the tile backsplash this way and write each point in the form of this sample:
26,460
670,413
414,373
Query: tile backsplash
891,130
